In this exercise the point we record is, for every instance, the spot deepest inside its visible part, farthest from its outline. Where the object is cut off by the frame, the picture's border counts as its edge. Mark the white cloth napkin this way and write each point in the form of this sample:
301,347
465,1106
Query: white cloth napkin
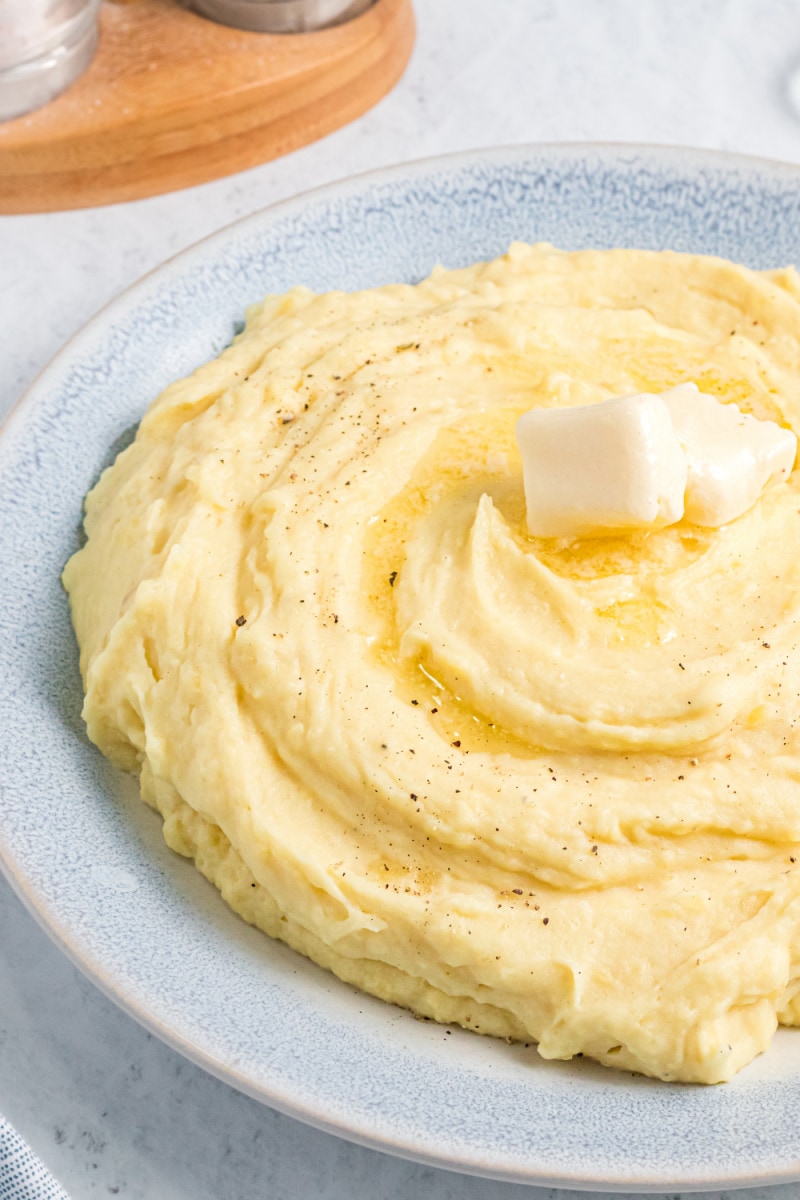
22,1176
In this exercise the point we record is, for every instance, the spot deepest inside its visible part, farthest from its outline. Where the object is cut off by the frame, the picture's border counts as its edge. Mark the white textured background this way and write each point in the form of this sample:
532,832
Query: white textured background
109,1109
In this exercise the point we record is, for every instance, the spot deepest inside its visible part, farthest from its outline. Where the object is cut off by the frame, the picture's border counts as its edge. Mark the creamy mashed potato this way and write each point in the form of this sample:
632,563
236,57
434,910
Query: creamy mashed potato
546,789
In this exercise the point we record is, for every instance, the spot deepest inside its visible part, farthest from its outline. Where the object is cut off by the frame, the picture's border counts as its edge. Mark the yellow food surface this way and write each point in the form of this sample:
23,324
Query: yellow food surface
549,790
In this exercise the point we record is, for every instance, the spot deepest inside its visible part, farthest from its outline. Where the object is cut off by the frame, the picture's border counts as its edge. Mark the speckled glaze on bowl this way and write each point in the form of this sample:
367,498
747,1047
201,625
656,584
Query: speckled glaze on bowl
87,857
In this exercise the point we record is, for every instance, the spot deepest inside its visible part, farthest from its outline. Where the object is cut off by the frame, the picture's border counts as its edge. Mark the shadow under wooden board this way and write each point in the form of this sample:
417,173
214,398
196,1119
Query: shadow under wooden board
173,99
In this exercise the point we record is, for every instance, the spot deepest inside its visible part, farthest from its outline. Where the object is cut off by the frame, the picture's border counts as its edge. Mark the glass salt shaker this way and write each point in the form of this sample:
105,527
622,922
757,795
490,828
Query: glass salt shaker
44,46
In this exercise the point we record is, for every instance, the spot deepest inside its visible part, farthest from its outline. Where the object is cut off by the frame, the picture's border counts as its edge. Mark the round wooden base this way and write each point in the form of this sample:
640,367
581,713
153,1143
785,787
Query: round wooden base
172,100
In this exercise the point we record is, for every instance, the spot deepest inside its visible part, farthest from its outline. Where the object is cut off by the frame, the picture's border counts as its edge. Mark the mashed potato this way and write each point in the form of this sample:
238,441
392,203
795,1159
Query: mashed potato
546,789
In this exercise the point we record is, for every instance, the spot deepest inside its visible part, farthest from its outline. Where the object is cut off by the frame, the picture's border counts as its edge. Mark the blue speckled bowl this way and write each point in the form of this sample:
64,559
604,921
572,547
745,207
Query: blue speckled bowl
87,856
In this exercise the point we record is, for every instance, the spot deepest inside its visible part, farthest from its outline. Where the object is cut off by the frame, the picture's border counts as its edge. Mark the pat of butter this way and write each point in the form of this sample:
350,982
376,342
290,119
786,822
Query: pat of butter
611,467
731,456
644,461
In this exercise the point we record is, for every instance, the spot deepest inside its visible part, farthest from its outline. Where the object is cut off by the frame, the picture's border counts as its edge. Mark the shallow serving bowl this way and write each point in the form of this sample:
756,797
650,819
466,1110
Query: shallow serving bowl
87,857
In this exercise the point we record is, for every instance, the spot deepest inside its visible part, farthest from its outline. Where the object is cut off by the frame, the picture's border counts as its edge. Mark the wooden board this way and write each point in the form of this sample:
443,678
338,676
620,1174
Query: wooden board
172,100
